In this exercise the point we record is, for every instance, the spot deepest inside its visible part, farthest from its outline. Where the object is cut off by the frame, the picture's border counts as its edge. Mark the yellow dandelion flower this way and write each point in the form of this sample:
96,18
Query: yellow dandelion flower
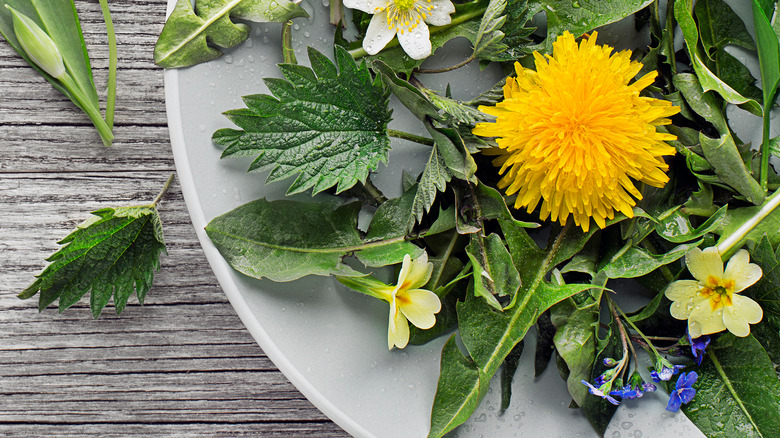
575,134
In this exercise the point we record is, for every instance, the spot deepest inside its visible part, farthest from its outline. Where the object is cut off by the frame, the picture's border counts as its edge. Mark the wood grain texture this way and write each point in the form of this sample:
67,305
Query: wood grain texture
180,365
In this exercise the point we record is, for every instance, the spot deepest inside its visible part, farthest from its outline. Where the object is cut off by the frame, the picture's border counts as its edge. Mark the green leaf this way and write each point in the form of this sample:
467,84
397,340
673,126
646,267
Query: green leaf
516,39
677,228
490,335
60,20
508,371
453,152
635,262
113,253
328,128
576,320
391,222
767,291
488,42
189,36
721,153
579,17
433,179
493,269
459,112
458,392
409,95
683,13
737,393
768,55
720,26
256,243
735,217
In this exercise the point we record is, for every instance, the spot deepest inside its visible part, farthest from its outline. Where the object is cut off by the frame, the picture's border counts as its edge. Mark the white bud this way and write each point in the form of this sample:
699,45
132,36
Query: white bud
38,44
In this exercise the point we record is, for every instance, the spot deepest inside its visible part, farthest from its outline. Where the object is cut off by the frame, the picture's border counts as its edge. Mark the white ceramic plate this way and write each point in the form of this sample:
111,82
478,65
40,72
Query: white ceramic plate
332,342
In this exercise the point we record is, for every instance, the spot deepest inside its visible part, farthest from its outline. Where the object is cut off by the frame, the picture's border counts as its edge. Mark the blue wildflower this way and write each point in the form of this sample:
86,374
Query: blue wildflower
666,372
635,388
600,392
683,391
698,346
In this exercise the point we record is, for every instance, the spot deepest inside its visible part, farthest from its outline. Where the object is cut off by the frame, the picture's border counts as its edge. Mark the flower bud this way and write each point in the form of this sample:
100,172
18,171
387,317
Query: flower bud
38,44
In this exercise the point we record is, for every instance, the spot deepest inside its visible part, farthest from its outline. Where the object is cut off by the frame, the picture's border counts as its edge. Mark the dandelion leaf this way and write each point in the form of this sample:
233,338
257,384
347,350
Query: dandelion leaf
190,36
738,391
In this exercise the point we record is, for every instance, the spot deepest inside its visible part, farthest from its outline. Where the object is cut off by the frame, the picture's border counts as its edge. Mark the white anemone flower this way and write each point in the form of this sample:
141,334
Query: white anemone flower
711,303
407,19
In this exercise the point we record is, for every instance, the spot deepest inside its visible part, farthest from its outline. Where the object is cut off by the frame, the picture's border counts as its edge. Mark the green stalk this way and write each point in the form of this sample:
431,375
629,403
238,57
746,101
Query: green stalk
411,137
769,206
112,64
288,54
764,175
456,20
89,108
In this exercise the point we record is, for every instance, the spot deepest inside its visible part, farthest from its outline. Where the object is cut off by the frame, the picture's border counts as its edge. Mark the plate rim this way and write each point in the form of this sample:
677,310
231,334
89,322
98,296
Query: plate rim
221,269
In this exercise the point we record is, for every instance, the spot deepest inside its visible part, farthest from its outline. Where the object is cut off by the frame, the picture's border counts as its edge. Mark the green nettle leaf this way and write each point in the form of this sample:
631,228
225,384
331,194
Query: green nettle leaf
490,335
738,392
328,127
433,179
111,254
488,41
256,243
579,17
683,13
189,36
767,291
516,35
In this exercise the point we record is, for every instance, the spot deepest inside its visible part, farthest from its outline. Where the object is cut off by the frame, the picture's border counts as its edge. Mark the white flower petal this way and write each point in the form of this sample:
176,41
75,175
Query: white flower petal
419,274
682,290
703,264
378,34
416,42
420,307
682,309
367,6
440,14
398,333
744,273
741,314
703,321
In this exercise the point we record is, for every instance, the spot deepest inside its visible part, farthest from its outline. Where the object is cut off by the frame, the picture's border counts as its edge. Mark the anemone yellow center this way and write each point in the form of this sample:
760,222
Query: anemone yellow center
719,291
403,5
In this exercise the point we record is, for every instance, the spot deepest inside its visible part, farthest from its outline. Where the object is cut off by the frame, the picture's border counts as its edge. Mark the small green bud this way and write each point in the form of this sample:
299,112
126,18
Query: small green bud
38,44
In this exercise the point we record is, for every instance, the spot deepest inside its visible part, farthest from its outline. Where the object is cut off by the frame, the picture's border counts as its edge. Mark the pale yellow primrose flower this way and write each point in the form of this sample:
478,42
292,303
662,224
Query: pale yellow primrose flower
710,303
406,18
408,302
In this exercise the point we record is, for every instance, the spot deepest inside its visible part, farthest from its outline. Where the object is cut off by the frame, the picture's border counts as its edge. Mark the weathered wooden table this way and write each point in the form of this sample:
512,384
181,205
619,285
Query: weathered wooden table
182,364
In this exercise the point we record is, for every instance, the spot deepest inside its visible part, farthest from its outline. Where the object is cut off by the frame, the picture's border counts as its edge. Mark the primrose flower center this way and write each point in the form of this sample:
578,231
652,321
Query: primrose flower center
719,292
405,15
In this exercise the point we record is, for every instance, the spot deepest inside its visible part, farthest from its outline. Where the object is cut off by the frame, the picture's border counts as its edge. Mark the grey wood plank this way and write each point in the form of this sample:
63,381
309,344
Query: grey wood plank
180,365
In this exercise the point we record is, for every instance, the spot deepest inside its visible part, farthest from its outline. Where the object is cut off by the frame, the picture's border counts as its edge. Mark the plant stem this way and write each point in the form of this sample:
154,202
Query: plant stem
336,13
456,20
769,205
446,69
288,54
764,175
411,137
112,64
164,189
633,326
374,192
89,108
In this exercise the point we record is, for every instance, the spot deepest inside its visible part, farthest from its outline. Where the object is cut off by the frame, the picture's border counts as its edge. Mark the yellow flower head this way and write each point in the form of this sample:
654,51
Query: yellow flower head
711,302
575,133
